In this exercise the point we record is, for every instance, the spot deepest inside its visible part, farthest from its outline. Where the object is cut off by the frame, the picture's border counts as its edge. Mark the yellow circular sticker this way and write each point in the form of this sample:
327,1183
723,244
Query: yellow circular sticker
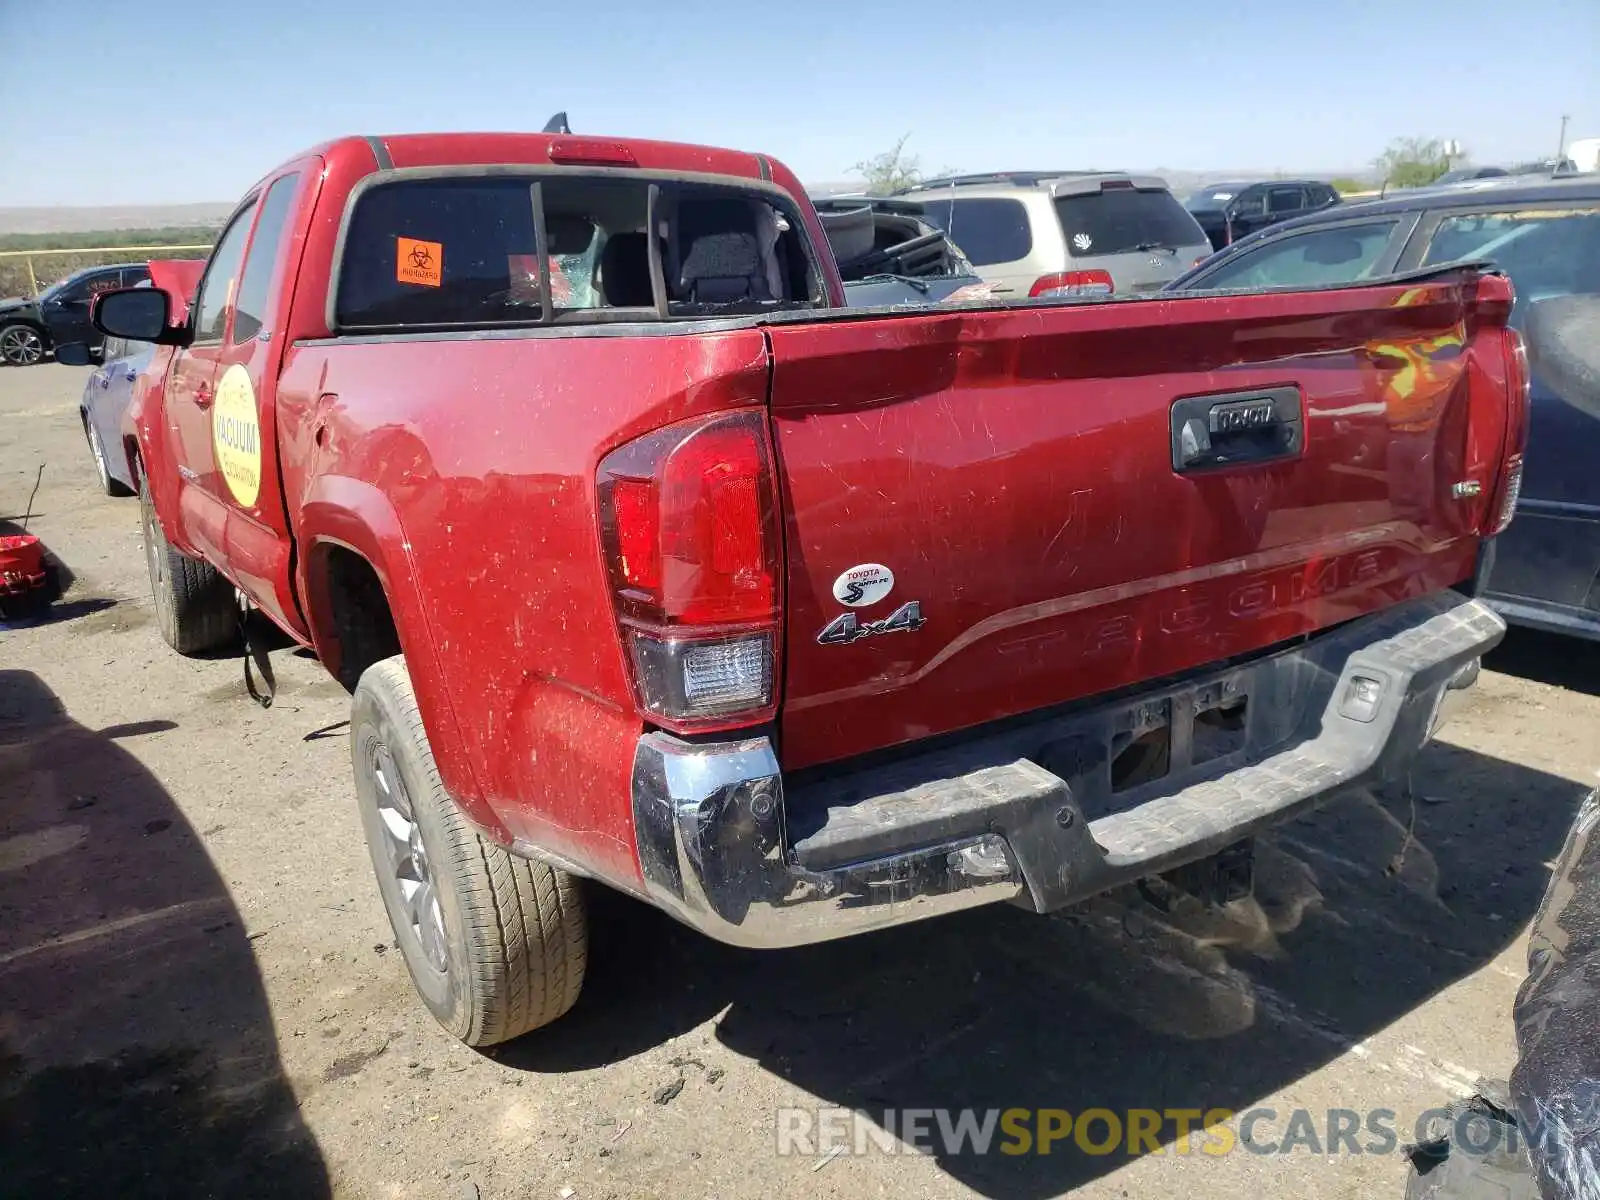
236,434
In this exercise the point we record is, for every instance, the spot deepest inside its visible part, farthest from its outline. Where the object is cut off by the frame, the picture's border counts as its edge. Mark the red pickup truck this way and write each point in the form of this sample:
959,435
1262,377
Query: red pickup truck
650,563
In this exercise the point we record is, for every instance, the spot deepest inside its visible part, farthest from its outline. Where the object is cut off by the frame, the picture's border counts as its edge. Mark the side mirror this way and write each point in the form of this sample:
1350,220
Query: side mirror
1563,335
73,354
139,314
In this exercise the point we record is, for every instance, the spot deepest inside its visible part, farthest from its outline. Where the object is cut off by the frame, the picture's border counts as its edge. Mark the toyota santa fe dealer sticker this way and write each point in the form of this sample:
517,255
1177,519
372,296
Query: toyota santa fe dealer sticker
863,585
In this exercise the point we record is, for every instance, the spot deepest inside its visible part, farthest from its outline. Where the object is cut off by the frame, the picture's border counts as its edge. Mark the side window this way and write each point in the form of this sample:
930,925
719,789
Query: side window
1344,254
221,278
112,347
1252,202
1547,251
134,276
250,306
1285,199
988,231
107,282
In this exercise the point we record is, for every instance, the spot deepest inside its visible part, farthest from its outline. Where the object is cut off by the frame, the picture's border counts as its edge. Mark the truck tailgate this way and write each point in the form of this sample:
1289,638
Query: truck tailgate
1081,498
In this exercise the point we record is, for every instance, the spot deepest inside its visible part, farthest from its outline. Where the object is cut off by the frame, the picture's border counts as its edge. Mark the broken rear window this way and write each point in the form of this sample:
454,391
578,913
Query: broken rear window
481,250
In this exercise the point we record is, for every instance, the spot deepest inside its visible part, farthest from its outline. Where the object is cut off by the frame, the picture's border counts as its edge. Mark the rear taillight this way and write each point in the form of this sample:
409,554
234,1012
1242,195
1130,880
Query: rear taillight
1073,283
689,526
1508,488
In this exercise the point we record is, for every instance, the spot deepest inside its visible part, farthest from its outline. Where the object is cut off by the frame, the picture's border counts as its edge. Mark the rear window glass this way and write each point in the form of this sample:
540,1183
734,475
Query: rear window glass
1208,199
467,252
1118,220
1319,257
1547,252
988,231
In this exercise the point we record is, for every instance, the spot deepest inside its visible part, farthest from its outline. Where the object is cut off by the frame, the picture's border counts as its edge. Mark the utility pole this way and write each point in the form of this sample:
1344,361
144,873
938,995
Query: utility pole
1561,145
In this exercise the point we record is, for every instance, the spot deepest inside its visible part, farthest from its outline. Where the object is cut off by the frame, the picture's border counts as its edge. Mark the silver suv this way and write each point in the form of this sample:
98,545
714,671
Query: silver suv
1052,233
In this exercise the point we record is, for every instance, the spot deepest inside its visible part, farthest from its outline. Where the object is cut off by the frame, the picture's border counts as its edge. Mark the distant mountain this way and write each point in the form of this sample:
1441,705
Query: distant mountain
156,216
69,219
1181,182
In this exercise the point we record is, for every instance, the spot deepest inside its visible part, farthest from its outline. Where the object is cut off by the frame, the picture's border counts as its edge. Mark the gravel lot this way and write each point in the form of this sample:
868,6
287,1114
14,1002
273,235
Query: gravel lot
198,995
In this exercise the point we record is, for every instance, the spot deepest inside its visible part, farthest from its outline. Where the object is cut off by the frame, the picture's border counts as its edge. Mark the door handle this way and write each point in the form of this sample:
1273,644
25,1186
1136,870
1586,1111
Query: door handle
202,395
130,375
1227,429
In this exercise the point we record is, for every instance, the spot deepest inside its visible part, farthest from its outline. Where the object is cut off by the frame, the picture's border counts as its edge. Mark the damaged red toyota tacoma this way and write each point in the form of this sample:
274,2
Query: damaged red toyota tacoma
651,564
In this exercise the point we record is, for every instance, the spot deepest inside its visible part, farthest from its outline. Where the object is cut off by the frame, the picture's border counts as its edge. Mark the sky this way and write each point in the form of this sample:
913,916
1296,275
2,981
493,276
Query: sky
169,101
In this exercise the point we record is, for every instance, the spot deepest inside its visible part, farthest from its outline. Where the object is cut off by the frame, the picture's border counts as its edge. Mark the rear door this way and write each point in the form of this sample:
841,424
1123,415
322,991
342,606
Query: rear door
1551,553
190,389
1013,494
1285,201
243,489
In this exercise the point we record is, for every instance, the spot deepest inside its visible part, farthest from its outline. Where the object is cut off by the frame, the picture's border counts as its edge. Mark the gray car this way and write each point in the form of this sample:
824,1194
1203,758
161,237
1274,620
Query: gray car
1051,233
106,395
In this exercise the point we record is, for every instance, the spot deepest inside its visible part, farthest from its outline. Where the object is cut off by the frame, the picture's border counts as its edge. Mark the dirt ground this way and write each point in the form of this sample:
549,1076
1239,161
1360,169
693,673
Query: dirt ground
199,994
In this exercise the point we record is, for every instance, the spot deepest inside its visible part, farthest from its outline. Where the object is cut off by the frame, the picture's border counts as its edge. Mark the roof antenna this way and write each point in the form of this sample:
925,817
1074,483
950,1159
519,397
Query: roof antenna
557,124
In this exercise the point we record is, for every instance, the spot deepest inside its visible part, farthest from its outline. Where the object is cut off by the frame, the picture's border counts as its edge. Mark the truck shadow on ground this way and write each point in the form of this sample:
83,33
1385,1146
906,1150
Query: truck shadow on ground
1354,923
1553,658
137,1056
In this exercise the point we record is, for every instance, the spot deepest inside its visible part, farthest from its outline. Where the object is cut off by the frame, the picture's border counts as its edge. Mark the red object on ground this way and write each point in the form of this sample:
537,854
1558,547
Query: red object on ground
24,577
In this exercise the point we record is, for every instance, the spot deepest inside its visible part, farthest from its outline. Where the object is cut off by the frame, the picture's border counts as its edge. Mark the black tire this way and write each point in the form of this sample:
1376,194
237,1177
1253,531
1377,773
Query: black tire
510,933
22,344
109,483
195,604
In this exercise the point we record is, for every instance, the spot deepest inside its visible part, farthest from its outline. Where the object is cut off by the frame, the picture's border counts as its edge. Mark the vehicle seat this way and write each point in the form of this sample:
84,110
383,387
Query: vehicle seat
625,271
717,250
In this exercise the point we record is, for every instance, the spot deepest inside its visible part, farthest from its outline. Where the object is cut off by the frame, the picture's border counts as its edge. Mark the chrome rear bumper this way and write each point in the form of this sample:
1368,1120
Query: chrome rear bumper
723,848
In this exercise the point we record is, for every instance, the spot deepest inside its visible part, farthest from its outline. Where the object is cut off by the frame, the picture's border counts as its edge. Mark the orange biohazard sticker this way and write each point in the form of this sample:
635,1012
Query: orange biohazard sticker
421,263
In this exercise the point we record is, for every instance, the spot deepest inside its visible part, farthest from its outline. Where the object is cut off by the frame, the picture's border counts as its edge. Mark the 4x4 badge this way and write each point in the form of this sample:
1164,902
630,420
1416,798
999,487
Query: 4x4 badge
847,627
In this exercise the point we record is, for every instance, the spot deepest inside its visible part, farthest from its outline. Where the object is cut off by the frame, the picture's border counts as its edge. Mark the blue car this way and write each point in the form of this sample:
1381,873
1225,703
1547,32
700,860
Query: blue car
105,400
1546,236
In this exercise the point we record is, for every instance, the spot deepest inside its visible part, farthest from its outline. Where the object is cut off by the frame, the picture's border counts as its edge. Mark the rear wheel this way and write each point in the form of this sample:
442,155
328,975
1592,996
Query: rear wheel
195,603
21,345
109,483
496,944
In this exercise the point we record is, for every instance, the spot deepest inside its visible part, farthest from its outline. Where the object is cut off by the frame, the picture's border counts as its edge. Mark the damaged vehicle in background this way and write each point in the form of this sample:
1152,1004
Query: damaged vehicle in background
888,253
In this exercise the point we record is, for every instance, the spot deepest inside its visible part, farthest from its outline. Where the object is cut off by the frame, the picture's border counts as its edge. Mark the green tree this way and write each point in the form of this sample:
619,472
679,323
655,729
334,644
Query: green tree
892,171
1344,185
1412,162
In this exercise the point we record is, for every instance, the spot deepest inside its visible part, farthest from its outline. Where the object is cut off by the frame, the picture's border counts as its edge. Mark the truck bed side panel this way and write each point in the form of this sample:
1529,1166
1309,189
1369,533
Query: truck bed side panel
486,448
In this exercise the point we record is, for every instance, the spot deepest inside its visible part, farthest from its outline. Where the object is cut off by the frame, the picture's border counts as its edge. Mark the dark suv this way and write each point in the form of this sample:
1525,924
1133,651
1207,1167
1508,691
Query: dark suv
1229,211
60,313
